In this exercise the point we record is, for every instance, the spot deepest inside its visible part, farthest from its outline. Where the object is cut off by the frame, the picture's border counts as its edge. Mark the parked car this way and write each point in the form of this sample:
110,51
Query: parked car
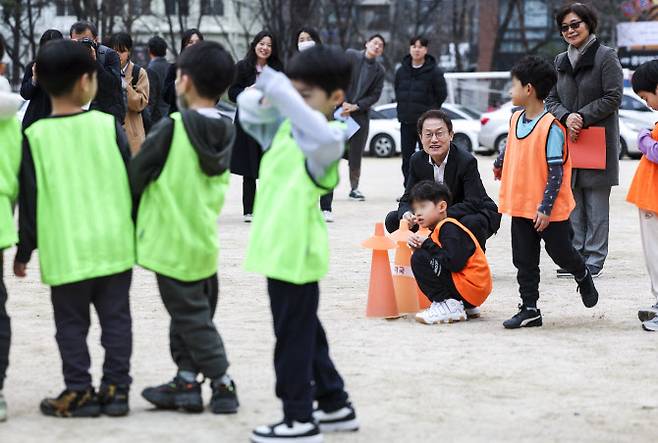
634,116
493,129
384,136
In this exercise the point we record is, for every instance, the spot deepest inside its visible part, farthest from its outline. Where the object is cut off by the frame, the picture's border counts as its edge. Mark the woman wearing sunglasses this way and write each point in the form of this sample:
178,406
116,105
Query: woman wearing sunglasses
588,93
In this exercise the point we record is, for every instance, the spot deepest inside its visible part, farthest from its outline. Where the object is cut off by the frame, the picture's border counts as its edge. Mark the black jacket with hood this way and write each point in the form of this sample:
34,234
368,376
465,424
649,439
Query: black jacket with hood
419,89
212,139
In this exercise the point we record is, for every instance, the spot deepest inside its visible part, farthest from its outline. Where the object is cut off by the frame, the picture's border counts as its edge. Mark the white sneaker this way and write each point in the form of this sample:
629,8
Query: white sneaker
328,216
3,407
651,325
342,420
294,431
472,313
648,314
248,218
447,311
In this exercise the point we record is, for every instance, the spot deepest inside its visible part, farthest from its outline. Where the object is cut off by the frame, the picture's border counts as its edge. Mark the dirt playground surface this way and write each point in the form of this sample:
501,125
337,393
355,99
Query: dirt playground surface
586,375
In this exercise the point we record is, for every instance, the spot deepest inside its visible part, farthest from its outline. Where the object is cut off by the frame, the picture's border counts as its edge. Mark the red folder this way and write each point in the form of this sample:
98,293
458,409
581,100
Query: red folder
588,152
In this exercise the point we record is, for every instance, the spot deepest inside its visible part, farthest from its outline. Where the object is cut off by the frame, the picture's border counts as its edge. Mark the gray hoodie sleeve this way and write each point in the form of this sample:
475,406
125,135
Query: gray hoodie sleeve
273,99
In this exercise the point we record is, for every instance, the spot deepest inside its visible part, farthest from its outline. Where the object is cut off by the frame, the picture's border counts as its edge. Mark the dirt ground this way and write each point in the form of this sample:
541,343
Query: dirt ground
586,375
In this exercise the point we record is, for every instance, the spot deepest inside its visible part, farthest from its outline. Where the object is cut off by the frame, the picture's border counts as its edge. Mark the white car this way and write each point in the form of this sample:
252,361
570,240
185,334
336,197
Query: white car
634,116
384,136
494,127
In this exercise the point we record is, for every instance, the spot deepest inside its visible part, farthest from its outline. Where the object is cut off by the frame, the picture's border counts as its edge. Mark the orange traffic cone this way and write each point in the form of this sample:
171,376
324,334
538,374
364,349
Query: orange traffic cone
406,290
403,233
381,294
423,301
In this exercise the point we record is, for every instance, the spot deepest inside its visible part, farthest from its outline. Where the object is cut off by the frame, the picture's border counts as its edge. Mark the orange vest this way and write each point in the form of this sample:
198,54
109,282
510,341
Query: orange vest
643,192
474,282
525,173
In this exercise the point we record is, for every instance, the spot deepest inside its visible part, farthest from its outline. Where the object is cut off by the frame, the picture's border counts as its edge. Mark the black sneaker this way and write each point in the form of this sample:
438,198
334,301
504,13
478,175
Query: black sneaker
588,292
294,431
563,273
177,394
224,399
72,404
356,195
340,420
525,318
114,400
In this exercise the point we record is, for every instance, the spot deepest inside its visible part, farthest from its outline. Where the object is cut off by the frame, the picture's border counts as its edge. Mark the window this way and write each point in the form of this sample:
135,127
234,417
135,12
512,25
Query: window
629,103
63,8
174,7
452,115
389,113
140,7
212,7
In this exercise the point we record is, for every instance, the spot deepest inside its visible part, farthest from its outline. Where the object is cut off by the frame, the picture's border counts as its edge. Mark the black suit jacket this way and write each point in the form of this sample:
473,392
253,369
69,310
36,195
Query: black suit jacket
463,179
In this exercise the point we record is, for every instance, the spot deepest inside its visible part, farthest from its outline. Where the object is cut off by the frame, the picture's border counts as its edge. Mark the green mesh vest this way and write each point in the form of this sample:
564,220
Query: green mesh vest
288,239
10,162
84,224
177,219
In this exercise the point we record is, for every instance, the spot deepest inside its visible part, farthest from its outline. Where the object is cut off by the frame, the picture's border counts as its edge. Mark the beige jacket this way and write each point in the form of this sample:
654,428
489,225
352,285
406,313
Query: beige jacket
138,98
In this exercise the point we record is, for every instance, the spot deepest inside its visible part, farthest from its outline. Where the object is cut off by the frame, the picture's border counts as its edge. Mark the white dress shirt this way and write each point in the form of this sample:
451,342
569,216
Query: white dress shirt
439,170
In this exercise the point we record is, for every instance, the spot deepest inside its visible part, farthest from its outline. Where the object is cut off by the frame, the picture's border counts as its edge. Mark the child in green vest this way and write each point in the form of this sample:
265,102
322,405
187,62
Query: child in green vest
10,160
181,176
75,207
289,242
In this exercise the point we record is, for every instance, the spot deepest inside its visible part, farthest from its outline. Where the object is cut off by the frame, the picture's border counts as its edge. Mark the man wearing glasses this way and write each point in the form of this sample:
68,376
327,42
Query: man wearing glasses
442,161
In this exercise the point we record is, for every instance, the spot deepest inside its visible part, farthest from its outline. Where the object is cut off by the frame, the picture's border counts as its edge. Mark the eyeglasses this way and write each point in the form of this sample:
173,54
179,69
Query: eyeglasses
574,26
430,135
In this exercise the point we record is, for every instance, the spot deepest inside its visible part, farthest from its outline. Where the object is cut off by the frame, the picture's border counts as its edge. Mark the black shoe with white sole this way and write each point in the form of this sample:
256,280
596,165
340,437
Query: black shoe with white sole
525,318
588,292
356,195
292,431
340,420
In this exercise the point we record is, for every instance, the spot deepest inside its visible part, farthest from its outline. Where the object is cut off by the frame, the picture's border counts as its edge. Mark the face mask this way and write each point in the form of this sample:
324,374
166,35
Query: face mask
302,46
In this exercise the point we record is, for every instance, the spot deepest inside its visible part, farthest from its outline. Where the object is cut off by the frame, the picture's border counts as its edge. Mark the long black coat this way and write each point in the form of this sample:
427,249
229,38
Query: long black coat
40,105
419,89
247,153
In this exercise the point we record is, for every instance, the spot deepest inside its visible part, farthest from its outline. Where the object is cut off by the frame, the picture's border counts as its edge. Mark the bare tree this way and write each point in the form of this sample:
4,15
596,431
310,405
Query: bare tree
20,17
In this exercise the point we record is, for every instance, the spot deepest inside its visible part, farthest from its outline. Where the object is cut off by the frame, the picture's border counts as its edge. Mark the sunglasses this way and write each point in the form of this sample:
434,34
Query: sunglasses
574,26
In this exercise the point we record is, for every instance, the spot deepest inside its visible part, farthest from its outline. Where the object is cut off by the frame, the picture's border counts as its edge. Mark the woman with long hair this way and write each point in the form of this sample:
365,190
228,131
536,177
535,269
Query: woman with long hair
245,161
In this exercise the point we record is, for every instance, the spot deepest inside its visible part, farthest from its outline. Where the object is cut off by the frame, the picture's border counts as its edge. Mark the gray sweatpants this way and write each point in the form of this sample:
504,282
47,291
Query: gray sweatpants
649,231
591,223
195,344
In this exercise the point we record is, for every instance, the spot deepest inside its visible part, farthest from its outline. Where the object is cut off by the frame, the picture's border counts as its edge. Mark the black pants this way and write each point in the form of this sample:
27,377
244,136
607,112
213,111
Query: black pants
434,280
356,146
5,327
525,253
326,201
195,344
109,295
248,195
304,370
408,141
478,224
